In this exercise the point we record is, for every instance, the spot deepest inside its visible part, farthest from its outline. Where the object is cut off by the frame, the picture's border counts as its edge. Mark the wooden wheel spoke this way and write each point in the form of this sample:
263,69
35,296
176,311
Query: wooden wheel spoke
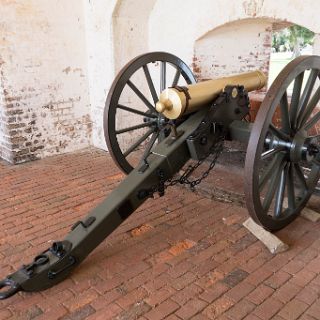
150,84
280,191
290,188
141,113
300,176
306,94
267,154
150,144
309,108
133,128
315,137
284,107
316,162
176,78
278,133
295,99
163,76
137,143
140,95
312,121
273,185
267,174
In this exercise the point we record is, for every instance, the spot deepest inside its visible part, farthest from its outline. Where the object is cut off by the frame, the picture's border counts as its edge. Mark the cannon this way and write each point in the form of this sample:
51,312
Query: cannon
157,118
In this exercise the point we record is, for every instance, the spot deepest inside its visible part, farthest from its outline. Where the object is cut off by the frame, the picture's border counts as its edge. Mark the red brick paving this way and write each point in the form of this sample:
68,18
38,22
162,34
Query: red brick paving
179,257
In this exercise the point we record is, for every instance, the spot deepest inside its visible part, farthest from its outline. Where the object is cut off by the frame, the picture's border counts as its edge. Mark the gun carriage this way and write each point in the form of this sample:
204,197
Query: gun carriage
178,120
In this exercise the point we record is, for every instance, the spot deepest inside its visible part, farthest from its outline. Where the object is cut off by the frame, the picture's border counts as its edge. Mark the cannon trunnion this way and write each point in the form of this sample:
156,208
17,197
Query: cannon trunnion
157,118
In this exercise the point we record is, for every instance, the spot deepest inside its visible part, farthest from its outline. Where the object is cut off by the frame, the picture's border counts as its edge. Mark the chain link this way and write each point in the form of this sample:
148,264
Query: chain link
216,150
162,184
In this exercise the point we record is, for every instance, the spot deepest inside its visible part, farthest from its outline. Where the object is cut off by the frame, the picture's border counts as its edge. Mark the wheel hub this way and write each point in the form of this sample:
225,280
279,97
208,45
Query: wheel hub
303,148
313,149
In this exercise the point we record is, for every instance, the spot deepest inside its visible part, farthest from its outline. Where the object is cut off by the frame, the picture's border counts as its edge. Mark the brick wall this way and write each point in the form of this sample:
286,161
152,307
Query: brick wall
177,26
3,146
236,47
45,102
58,58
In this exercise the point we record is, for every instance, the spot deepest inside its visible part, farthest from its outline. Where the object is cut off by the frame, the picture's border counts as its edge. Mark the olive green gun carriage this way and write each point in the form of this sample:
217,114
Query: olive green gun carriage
157,118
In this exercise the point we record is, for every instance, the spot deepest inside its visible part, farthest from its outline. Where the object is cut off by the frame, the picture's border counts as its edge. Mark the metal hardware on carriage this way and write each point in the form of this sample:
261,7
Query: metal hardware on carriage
207,139
38,274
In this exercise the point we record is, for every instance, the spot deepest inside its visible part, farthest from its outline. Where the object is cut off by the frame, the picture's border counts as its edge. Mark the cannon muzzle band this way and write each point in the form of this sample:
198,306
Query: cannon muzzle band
177,101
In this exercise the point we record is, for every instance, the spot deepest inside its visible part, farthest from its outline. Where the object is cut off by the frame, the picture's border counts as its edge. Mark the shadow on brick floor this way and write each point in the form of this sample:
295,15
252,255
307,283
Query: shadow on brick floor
182,256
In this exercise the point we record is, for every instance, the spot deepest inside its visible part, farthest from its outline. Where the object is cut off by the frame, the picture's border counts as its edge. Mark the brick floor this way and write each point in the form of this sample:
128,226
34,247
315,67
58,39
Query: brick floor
182,256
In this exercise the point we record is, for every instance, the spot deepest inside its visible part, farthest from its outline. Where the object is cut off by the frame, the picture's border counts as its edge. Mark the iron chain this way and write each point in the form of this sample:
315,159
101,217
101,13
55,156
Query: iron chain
216,150
162,184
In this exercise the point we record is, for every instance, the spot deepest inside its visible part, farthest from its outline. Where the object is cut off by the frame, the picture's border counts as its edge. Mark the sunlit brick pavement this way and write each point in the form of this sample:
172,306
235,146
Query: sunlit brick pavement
179,257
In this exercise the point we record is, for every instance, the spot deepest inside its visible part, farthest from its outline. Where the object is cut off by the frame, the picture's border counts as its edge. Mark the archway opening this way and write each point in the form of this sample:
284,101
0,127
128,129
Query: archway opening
288,42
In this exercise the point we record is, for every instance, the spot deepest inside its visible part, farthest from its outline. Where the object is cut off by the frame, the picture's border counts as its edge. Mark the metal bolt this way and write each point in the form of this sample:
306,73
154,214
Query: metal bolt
203,140
313,149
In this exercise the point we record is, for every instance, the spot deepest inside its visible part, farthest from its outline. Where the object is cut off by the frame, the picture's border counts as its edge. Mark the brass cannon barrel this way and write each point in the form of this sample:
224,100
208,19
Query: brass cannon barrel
177,101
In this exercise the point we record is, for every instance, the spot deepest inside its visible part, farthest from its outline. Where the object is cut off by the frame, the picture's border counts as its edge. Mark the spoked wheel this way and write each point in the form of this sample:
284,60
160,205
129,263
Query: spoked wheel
282,162
132,126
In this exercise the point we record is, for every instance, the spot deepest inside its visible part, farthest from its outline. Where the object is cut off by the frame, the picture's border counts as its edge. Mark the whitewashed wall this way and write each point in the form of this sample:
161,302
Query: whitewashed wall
5,147
233,48
101,70
58,58
44,77
183,22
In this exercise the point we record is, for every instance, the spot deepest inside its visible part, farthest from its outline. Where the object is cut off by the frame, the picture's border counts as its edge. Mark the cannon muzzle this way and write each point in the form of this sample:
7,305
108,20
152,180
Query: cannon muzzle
177,101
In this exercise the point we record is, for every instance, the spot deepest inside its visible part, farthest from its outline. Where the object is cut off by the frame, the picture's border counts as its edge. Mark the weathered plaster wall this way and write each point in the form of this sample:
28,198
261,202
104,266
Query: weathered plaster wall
130,21
3,138
182,28
101,69
58,58
188,28
236,47
117,31
316,45
44,77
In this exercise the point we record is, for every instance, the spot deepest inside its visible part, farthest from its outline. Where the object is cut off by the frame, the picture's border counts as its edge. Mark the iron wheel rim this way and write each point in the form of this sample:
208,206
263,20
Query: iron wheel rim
115,92
261,128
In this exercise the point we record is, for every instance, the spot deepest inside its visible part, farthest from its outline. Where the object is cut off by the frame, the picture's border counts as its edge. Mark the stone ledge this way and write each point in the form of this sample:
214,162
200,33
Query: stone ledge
273,243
